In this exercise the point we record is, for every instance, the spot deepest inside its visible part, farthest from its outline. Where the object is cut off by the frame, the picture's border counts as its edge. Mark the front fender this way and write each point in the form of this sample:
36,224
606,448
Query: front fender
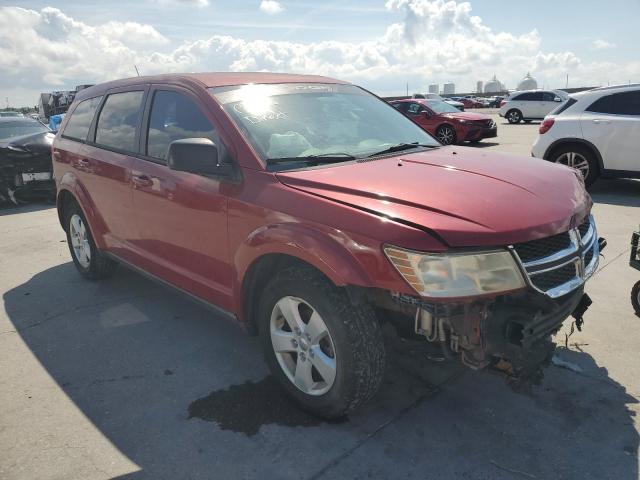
328,251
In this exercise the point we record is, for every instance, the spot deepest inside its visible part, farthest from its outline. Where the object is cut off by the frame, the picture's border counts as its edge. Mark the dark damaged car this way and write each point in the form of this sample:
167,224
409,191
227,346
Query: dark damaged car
26,172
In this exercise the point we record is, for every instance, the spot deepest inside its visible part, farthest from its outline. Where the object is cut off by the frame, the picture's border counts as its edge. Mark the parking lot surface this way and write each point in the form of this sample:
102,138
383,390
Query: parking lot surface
127,379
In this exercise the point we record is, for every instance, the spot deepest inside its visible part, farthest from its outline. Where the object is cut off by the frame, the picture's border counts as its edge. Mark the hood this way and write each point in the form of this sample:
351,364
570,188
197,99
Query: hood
468,197
33,142
471,116
452,102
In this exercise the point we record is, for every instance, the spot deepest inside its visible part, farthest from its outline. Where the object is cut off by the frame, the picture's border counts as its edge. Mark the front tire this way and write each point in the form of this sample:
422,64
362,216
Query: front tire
326,352
446,135
514,116
89,261
580,158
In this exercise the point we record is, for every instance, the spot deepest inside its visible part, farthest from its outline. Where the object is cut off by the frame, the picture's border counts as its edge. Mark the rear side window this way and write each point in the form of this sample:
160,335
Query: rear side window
549,96
174,117
623,103
526,97
78,125
118,121
563,106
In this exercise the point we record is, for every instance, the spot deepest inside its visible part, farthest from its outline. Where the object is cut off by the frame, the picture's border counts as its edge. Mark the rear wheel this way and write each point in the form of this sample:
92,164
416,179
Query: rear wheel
580,158
514,116
89,261
326,352
446,135
635,298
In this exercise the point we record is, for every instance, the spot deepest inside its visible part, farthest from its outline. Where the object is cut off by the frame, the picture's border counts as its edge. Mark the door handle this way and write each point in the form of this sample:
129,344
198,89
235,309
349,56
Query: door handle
141,180
82,164
601,121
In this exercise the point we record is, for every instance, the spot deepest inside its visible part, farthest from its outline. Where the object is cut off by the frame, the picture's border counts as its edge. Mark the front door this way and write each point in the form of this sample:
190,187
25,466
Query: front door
181,217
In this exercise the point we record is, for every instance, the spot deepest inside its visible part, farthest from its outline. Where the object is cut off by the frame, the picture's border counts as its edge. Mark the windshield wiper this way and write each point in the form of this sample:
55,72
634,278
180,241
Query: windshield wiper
401,147
314,159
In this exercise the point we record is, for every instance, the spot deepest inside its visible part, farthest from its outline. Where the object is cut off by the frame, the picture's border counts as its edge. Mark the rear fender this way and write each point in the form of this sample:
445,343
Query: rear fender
70,183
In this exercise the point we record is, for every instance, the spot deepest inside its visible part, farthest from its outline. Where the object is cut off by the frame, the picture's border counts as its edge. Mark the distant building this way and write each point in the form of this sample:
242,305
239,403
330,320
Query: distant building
528,83
479,85
449,88
434,88
494,86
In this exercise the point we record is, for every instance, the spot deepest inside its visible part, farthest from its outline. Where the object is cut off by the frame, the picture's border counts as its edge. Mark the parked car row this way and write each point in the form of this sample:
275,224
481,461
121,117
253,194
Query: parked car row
312,212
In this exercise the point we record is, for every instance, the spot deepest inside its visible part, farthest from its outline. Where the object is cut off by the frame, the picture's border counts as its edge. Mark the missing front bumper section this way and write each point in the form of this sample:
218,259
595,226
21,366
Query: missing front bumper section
512,333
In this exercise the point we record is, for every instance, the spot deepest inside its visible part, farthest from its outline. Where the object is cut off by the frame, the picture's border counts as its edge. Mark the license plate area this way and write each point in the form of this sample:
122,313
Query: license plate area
30,177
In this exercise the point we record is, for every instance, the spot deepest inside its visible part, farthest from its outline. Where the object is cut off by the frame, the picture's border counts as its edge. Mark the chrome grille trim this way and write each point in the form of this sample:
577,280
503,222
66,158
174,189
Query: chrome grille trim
576,253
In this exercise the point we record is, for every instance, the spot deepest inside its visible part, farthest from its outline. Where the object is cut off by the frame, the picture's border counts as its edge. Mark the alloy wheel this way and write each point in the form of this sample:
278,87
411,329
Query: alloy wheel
80,240
575,160
446,135
303,345
513,117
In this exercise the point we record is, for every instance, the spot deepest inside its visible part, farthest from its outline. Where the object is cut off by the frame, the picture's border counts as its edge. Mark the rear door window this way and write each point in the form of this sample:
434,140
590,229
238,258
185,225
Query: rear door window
77,127
624,103
175,116
118,121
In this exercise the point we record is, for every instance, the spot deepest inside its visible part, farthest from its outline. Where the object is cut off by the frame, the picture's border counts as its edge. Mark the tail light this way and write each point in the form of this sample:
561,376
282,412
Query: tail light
503,103
546,125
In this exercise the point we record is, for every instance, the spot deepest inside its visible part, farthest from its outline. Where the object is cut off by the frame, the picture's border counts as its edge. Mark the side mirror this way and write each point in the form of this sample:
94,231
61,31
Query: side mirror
426,113
197,155
557,99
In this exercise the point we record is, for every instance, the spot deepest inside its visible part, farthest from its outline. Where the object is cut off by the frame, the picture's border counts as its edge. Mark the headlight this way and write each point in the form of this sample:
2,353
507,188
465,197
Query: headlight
457,275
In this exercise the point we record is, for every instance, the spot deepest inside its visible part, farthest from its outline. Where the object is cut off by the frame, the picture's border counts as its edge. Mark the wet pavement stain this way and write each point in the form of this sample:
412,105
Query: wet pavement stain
246,407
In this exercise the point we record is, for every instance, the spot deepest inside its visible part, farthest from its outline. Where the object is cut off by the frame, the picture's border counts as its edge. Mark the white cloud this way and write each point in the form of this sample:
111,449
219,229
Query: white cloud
435,41
602,44
271,7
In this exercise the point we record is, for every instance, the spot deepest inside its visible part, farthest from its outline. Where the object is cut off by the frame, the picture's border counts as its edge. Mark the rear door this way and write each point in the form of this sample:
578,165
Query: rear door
612,124
113,143
181,217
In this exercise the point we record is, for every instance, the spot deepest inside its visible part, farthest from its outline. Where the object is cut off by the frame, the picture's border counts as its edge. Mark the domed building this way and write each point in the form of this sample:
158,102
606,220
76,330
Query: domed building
528,83
493,86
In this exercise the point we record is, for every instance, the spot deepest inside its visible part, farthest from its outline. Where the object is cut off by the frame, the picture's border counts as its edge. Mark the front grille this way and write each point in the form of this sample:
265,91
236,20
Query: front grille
543,247
558,264
554,278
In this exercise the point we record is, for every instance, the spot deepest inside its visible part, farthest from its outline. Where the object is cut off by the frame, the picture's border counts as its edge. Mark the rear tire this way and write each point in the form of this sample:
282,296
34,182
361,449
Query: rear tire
89,261
580,158
347,369
635,298
514,116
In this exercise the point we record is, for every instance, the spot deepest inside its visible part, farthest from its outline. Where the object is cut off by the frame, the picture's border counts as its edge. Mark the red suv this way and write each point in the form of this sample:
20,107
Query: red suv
312,211
448,124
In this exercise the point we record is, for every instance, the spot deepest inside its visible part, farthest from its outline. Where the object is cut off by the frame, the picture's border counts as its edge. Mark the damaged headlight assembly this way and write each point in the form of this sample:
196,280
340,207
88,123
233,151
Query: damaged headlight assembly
457,275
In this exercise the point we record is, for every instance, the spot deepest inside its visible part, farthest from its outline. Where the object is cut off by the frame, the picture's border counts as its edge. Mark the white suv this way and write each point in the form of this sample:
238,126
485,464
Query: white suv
597,132
530,105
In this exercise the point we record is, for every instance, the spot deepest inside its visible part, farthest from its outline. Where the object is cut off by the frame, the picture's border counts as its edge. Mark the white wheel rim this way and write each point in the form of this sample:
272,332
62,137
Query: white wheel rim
575,160
303,346
80,240
445,135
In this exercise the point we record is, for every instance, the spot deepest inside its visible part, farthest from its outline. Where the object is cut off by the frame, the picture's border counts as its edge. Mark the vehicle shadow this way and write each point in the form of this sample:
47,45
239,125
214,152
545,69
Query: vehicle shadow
623,192
520,124
10,209
182,395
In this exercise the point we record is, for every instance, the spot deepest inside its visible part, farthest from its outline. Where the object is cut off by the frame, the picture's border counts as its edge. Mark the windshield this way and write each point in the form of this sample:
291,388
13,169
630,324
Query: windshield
20,128
442,107
294,120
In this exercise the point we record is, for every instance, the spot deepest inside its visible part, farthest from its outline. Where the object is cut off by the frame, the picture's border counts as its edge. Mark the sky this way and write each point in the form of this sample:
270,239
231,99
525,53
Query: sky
382,45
